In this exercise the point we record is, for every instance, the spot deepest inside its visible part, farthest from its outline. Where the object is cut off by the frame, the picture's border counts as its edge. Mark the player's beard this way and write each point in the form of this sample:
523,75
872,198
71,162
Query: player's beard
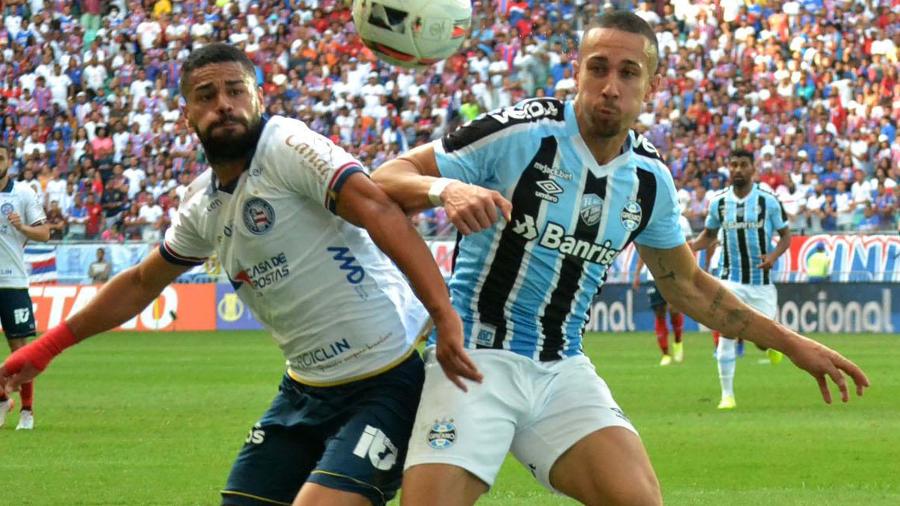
229,147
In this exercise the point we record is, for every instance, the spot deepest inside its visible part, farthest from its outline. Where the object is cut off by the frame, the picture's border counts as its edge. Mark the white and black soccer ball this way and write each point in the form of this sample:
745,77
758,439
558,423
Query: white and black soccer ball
412,33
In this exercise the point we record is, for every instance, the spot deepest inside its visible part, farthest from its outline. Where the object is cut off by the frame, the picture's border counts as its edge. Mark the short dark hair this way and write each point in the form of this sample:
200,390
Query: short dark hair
627,22
741,153
217,52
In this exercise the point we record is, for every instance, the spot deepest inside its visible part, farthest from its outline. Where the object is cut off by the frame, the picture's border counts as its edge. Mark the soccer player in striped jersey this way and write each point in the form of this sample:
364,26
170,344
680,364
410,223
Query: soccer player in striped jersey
746,219
574,185
22,220
318,253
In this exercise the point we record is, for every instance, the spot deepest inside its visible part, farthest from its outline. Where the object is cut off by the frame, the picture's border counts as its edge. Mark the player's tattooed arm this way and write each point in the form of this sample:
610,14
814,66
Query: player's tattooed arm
688,289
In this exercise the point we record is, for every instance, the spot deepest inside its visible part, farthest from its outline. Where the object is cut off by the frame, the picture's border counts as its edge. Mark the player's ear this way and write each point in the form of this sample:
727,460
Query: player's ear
655,81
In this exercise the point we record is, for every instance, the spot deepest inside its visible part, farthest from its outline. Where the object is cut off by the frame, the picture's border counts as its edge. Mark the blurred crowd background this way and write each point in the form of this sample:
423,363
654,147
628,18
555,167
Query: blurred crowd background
89,97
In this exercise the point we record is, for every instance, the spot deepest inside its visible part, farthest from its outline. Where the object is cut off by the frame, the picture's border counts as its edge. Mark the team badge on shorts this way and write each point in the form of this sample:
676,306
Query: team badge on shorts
442,434
6,208
631,215
258,215
591,208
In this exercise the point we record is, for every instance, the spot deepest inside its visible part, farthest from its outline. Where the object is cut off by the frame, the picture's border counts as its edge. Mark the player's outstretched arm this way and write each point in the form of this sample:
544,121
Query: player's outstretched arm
414,181
119,300
364,204
704,299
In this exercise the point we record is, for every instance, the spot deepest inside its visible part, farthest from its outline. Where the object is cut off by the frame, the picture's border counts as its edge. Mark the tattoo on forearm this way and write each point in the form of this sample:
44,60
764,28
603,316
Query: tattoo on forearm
662,268
716,302
733,321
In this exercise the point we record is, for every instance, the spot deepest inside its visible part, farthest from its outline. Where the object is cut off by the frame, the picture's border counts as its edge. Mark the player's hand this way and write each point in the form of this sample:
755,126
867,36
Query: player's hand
472,208
822,362
768,262
17,369
15,220
451,354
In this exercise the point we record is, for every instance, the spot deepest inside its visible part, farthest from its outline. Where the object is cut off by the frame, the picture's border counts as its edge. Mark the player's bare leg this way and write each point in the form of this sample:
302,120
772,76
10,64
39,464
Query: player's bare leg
440,485
662,334
26,392
677,320
313,494
608,467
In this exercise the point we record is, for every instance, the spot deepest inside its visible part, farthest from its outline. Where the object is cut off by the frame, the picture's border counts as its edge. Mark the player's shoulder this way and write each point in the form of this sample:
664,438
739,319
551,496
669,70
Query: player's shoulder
197,188
645,151
523,117
22,189
767,194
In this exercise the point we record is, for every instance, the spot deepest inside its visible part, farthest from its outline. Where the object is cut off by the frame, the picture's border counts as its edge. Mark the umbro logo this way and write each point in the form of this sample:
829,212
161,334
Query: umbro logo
548,190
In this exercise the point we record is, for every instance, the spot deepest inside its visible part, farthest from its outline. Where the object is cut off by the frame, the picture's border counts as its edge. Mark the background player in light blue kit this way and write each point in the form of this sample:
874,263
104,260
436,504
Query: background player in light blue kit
575,186
749,218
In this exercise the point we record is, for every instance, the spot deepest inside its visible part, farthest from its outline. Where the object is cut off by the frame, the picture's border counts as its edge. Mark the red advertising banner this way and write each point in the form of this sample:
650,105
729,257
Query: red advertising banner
179,307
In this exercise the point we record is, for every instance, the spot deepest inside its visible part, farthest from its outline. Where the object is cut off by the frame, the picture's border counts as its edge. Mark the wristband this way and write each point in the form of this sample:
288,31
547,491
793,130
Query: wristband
437,187
41,351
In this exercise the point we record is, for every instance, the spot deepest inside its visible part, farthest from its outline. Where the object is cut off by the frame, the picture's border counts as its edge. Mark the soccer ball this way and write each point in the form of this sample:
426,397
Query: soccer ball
412,33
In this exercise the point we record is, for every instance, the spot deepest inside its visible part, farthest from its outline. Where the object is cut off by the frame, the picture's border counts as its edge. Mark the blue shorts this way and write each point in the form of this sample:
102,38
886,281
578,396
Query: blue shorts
656,298
16,313
351,437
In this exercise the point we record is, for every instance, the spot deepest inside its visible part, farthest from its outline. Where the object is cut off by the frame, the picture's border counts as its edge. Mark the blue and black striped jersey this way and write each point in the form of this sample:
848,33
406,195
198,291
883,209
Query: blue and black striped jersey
748,227
527,285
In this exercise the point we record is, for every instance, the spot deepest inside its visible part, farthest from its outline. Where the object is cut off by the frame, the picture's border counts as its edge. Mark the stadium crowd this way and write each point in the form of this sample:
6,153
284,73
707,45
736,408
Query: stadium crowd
90,102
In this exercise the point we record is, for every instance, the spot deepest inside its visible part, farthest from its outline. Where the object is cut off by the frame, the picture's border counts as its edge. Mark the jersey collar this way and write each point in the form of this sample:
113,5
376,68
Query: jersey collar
9,185
585,154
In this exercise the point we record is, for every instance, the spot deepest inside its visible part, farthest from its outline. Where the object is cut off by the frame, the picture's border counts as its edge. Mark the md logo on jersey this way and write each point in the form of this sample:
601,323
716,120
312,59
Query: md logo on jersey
442,434
6,208
591,209
631,215
259,216
548,190
355,273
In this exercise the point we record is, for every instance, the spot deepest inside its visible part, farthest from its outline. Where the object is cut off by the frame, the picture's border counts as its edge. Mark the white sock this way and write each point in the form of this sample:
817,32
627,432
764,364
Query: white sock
725,354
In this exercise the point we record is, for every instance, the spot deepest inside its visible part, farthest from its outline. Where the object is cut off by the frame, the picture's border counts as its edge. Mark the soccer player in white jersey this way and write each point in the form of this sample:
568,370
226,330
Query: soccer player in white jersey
297,225
582,186
22,220
744,218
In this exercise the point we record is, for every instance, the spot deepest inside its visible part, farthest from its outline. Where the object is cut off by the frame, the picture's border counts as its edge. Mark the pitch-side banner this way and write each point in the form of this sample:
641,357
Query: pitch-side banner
179,307
804,307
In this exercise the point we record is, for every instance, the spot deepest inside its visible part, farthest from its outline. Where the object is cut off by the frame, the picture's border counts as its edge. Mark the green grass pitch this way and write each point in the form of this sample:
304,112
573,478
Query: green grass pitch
155,419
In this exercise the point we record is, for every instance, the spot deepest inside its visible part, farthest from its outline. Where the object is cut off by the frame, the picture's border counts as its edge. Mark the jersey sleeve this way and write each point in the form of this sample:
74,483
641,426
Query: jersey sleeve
663,231
34,211
307,163
775,213
713,221
182,244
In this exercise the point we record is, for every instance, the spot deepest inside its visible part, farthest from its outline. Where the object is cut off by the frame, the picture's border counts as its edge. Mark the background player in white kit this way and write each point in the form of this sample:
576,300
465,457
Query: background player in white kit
746,218
22,220
279,207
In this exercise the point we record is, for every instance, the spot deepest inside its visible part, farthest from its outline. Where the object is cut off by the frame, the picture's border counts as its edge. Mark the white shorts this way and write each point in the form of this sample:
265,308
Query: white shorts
763,298
537,410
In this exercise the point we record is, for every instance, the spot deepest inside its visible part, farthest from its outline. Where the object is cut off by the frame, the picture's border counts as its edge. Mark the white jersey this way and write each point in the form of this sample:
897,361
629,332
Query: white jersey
21,199
335,304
